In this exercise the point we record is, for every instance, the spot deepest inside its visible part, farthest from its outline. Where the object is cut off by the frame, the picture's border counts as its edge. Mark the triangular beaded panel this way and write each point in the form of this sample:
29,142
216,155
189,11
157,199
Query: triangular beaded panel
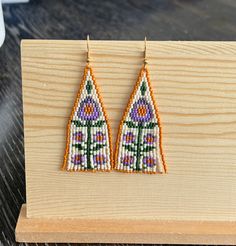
88,139
139,139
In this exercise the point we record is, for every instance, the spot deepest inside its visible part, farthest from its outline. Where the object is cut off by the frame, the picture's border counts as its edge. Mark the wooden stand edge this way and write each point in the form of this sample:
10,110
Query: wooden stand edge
123,231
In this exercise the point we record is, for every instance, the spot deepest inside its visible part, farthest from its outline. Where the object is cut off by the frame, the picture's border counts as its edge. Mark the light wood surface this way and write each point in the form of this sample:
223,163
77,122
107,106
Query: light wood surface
195,87
123,231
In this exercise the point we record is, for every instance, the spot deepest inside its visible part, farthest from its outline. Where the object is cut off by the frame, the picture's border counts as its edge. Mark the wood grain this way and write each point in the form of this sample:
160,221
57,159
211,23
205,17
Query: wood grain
123,231
162,20
194,84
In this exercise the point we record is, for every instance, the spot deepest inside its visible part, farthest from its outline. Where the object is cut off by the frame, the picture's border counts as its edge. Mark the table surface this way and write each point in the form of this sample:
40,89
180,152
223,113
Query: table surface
58,19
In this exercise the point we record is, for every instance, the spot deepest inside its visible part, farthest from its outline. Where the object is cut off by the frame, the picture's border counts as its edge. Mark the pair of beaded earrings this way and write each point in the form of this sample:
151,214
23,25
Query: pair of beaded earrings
138,144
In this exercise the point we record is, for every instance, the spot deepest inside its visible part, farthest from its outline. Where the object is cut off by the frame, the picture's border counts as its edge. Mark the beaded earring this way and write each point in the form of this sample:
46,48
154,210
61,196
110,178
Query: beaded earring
138,146
88,145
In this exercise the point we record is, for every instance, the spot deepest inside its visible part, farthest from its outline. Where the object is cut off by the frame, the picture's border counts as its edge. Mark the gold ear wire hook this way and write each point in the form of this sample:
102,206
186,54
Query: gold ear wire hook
145,53
88,51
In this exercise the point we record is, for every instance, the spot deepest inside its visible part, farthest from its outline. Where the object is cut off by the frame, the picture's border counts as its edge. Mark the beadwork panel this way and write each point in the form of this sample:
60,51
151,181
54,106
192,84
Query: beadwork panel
88,146
139,146
193,84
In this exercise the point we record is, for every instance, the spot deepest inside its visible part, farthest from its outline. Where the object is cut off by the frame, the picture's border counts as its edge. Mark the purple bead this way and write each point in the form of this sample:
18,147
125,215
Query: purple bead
89,109
141,111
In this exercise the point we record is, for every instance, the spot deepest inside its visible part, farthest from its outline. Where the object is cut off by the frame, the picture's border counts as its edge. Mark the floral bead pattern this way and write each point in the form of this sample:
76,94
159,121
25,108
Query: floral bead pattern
141,111
139,139
89,109
99,137
149,139
129,137
88,140
78,137
127,160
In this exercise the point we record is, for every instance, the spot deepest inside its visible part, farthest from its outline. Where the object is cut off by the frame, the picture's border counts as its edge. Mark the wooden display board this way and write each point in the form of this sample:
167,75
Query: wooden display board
195,87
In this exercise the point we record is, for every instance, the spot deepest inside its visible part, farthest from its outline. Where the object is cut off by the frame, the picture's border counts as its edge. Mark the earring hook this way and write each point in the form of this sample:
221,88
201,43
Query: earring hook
88,51
145,52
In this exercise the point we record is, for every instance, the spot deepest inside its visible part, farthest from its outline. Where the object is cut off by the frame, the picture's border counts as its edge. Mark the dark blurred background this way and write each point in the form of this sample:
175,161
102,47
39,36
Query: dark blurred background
74,19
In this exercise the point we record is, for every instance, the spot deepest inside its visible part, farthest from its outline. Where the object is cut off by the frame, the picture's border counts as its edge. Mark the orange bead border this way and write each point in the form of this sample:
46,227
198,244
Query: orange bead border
118,139
82,84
